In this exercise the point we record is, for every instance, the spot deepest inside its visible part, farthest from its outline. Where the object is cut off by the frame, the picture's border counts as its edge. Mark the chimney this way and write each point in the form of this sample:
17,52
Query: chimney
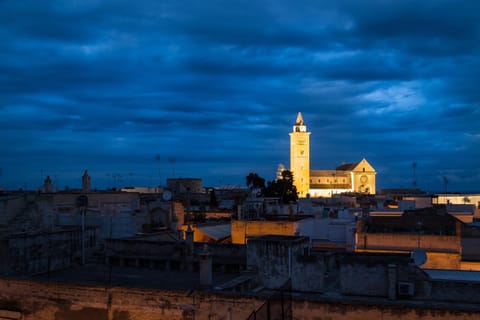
205,258
189,240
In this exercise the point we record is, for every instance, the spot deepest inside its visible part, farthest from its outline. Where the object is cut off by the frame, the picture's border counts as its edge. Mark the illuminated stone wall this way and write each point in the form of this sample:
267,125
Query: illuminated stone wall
300,156
364,177
241,230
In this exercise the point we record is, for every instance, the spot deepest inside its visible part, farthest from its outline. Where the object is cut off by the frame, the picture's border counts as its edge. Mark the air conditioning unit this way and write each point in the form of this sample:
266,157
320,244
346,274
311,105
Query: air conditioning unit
405,288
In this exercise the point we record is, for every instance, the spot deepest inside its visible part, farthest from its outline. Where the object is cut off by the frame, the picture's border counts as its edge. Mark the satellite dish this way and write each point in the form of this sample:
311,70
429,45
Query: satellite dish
167,195
419,257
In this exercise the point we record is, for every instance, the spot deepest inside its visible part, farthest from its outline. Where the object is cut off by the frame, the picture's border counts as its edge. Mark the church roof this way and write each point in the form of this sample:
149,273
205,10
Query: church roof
347,166
328,173
299,121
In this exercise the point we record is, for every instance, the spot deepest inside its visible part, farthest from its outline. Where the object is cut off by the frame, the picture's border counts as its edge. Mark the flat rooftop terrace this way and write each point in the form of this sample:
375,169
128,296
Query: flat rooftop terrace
102,275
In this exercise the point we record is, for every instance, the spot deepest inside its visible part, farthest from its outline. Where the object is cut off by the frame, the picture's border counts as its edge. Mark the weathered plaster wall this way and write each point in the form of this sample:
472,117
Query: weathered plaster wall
443,252
456,291
406,242
322,310
364,280
47,301
273,259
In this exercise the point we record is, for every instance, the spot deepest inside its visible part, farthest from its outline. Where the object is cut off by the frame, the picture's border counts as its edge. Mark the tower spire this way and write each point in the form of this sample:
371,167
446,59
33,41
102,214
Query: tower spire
299,124
299,121
300,156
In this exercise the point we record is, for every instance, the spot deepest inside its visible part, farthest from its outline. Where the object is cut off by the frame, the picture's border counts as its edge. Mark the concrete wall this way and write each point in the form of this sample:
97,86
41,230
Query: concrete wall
46,301
308,274
443,252
408,242
32,253
344,310
273,257
365,280
336,230
244,229
456,291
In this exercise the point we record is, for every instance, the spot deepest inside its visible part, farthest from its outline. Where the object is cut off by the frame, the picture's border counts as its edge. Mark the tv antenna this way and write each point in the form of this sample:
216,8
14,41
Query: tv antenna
157,157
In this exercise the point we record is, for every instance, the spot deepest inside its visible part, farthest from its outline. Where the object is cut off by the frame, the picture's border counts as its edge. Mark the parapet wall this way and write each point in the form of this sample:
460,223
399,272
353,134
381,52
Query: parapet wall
29,300
46,301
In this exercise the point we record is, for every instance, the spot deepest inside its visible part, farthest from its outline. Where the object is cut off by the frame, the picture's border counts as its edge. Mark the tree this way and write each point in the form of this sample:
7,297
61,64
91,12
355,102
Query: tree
254,181
282,188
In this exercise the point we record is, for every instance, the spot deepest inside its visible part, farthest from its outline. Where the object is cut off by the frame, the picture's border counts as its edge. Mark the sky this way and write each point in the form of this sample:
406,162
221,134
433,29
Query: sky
138,91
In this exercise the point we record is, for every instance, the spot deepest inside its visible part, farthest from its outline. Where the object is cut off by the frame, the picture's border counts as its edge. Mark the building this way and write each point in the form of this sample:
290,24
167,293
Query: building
300,156
283,279
347,177
430,229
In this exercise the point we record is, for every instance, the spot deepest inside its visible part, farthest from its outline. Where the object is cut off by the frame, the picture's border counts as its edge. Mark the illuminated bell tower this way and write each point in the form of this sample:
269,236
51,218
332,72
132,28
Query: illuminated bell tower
300,156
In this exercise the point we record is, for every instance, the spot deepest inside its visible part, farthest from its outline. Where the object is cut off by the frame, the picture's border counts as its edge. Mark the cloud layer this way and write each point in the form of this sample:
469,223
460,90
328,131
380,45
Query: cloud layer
213,87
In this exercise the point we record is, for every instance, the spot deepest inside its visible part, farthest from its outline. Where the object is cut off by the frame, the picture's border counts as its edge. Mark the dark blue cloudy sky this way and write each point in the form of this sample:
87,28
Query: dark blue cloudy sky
216,85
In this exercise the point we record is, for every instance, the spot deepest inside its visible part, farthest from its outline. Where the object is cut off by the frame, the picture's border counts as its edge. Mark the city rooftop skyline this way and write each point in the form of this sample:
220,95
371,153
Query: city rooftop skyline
140,92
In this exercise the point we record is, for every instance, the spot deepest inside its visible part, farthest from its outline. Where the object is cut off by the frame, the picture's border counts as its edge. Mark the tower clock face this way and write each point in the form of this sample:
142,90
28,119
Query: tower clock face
363,179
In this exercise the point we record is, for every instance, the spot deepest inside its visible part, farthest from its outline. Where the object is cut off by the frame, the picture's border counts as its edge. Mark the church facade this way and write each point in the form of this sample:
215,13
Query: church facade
347,177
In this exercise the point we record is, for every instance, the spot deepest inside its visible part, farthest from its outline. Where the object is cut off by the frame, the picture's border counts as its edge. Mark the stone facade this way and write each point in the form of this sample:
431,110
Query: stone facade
348,177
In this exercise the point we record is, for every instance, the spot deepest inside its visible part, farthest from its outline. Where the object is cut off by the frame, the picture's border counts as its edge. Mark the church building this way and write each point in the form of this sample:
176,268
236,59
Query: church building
347,177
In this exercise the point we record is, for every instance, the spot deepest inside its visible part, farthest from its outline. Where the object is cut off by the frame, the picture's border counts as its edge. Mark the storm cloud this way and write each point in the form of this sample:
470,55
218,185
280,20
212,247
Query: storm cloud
213,88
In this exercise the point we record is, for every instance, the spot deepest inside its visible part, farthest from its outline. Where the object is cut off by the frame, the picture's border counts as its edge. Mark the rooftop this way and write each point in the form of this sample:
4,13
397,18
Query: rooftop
101,275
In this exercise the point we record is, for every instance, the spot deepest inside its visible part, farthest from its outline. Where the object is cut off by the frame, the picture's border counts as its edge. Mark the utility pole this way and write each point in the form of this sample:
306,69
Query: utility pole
157,157
414,181
445,181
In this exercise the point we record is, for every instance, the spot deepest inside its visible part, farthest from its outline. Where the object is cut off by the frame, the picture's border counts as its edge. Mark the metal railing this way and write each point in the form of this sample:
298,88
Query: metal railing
277,307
